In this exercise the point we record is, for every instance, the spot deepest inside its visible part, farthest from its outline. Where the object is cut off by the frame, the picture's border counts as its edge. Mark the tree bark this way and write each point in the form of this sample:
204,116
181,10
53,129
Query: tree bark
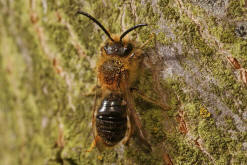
195,64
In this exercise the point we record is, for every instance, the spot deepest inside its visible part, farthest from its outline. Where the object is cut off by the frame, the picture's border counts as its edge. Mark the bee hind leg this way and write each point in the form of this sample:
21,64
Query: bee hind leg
92,146
129,132
95,143
141,133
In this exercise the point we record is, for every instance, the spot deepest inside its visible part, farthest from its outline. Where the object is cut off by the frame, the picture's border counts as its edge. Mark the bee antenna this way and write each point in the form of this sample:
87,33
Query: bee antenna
130,29
97,22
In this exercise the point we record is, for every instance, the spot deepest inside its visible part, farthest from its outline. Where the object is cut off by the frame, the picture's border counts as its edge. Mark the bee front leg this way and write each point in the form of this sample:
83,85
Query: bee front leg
93,90
152,36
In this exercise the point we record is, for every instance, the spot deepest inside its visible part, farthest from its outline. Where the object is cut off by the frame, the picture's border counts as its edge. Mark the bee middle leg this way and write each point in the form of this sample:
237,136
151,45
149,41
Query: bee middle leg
149,99
93,90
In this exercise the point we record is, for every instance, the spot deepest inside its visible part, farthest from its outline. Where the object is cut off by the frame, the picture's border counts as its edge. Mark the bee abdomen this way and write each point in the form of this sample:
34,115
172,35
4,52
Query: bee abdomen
111,129
111,120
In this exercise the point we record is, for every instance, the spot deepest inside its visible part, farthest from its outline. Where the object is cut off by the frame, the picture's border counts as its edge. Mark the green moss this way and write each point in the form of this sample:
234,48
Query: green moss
190,34
235,9
192,110
185,154
227,34
240,49
162,38
170,13
154,124
196,10
230,125
140,157
226,82
58,35
151,19
51,5
212,138
38,100
163,3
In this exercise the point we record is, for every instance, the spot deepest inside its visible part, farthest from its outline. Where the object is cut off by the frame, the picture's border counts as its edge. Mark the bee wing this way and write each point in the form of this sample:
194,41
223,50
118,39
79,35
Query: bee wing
134,118
98,142
94,115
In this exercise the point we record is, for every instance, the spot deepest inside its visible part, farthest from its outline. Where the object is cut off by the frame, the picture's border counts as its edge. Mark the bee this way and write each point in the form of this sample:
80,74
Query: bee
117,68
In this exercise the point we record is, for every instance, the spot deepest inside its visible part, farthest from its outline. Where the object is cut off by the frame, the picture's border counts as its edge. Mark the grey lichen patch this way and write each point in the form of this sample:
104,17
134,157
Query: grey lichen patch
227,84
195,102
225,37
164,39
215,7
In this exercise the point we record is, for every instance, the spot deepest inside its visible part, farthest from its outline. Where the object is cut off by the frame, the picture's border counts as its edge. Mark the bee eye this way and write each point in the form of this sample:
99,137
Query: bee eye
128,49
106,47
118,49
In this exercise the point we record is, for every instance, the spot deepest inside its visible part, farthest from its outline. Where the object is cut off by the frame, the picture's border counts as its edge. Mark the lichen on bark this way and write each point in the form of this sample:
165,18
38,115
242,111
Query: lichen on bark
47,68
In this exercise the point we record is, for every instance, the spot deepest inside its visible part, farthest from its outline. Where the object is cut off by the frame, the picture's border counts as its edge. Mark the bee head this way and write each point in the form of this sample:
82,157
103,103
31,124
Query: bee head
118,48
113,47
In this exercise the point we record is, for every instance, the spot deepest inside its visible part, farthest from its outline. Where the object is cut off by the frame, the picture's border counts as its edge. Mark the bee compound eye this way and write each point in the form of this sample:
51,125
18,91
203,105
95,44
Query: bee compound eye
106,47
128,49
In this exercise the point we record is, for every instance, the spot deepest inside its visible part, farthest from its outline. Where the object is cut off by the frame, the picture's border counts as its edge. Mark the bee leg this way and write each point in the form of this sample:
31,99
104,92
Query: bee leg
92,91
148,99
145,43
140,131
92,146
129,132
134,119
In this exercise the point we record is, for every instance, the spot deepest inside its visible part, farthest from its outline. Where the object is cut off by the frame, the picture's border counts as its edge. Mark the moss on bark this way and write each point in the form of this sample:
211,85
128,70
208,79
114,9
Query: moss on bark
47,61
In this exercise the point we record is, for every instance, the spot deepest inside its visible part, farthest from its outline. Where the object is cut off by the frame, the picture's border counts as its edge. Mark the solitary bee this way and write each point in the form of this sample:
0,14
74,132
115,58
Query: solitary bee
118,68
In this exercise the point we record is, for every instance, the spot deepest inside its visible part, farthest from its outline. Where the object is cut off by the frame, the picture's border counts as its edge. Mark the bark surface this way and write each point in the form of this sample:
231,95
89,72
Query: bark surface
195,64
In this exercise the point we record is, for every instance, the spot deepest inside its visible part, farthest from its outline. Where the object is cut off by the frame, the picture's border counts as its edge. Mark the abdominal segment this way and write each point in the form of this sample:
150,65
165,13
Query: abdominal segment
111,120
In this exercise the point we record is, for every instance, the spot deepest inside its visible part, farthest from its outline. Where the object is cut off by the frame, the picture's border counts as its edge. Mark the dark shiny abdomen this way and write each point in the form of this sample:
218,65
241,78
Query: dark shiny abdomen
111,119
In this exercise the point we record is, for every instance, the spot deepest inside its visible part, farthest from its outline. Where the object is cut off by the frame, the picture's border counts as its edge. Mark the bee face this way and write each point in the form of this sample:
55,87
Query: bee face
118,49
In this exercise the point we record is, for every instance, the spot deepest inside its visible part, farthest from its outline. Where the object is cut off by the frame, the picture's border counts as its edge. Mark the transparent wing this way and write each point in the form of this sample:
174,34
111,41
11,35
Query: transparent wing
134,118
97,139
